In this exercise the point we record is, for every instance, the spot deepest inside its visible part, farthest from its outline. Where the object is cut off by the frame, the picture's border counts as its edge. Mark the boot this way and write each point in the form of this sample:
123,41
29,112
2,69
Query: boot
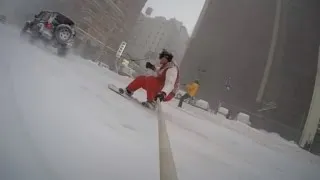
126,92
150,104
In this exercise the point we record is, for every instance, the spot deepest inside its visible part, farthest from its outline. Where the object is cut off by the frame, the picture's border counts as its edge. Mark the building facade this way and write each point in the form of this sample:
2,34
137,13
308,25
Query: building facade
233,42
203,12
152,34
108,22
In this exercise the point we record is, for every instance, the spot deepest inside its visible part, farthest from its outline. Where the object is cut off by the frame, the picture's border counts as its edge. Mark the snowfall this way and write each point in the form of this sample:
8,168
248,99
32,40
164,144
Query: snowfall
58,120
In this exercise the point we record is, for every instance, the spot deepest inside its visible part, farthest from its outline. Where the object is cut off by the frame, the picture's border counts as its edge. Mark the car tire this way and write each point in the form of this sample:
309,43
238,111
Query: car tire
34,33
24,29
63,33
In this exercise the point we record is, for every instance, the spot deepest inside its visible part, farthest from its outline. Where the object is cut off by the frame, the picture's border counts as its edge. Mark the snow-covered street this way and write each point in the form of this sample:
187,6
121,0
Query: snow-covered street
58,120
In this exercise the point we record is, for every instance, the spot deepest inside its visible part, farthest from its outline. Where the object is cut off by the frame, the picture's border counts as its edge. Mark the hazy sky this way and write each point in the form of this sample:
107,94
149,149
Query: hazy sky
186,11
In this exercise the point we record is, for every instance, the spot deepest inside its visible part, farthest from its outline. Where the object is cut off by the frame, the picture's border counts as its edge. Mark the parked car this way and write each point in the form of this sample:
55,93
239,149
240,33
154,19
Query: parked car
53,28
3,19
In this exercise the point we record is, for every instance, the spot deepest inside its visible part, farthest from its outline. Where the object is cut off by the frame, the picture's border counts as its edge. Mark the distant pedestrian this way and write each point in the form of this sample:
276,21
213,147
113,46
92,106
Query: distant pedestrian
192,90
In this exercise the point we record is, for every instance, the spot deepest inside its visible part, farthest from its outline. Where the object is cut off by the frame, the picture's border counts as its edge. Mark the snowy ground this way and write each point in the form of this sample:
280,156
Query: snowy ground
59,121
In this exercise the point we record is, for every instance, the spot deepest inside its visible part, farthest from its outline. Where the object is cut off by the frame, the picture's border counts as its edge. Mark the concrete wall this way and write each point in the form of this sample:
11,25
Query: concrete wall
294,69
232,41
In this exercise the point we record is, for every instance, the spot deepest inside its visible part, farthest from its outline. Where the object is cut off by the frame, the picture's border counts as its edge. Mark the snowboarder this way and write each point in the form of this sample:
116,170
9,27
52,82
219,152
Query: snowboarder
192,90
162,86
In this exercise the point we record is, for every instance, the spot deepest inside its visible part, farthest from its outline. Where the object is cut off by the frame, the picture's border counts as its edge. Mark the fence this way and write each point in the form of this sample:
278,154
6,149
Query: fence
89,47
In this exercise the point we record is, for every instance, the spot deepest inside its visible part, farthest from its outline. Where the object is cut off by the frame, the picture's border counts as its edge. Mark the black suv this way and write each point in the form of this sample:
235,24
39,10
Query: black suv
53,28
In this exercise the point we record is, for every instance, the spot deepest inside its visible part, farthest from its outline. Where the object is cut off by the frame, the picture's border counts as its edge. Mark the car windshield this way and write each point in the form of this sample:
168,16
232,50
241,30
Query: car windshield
43,15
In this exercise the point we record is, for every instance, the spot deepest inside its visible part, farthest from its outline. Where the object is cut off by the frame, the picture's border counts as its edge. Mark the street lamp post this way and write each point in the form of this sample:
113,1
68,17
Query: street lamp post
272,49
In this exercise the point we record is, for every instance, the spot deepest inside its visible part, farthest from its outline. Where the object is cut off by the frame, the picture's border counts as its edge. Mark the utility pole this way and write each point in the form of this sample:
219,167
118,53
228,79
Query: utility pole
272,49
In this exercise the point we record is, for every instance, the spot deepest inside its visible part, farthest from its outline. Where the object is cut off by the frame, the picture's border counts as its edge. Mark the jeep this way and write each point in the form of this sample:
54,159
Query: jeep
53,28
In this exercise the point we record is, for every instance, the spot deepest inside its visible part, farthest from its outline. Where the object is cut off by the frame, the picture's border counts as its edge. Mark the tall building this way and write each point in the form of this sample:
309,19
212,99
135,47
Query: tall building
267,50
203,12
110,21
152,34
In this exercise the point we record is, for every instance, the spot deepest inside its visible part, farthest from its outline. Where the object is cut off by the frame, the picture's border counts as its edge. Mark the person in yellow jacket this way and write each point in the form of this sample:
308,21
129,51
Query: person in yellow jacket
192,90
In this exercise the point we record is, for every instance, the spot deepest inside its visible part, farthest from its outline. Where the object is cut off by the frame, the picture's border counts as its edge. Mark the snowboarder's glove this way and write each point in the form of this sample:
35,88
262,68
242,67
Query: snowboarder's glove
150,66
160,96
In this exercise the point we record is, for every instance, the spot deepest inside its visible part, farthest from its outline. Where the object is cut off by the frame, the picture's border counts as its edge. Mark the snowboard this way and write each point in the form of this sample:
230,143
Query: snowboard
120,91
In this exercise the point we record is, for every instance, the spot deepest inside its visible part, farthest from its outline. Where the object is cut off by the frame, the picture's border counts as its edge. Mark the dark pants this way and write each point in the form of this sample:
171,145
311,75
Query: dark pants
184,97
